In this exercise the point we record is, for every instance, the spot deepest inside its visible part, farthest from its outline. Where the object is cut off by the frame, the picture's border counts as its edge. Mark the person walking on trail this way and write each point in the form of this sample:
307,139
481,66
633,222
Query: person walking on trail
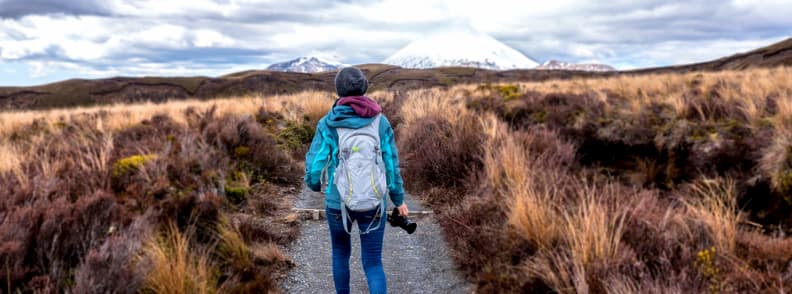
354,154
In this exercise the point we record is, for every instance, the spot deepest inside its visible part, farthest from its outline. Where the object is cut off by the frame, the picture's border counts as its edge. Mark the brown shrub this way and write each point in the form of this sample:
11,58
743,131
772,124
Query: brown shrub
437,153
262,159
50,238
113,266
70,203
484,246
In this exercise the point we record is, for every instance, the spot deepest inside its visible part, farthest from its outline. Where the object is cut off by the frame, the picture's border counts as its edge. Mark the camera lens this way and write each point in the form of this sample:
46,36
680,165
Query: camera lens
410,227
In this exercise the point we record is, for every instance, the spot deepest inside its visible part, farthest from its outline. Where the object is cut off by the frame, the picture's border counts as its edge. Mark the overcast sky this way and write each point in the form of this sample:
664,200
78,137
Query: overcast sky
49,40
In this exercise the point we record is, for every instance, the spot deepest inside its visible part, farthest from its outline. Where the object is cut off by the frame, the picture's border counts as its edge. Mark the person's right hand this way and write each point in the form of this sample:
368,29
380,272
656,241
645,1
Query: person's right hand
403,210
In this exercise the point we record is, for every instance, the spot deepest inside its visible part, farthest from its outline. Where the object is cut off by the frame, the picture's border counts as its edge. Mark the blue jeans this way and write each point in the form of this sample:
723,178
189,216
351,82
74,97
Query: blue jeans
371,249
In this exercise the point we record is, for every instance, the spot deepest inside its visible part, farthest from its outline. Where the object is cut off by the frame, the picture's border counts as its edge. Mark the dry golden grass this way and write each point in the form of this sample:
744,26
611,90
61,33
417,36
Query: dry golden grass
535,217
432,102
268,252
513,172
313,105
533,205
232,247
776,159
560,272
10,157
177,267
740,85
745,92
120,116
714,203
627,285
593,230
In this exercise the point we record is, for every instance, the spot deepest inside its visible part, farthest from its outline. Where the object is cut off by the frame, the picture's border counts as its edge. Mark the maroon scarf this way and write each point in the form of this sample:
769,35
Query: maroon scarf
363,106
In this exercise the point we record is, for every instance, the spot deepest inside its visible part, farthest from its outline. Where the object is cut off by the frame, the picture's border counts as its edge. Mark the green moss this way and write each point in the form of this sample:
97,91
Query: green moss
295,136
509,92
131,164
539,116
236,194
60,124
766,123
784,178
238,176
241,151
785,185
672,171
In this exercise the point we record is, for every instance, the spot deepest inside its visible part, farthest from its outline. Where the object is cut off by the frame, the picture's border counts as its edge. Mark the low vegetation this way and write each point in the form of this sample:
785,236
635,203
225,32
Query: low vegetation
183,197
628,184
622,184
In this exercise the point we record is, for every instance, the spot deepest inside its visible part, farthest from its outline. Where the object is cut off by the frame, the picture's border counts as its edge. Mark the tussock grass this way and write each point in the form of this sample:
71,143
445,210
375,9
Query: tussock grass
535,216
120,116
178,267
232,247
533,205
431,102
593,231
714,203
10,160
297,107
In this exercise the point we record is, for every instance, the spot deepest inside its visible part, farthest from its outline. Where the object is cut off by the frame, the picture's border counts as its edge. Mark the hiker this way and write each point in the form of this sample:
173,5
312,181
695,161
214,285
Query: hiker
353,155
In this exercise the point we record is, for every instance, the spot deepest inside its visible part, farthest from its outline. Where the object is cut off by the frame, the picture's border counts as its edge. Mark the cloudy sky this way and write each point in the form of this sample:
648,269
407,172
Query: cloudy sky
48,40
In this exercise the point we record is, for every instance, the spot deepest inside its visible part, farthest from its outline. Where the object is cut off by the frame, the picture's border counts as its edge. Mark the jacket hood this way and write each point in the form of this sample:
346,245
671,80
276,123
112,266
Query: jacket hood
363,106
344,116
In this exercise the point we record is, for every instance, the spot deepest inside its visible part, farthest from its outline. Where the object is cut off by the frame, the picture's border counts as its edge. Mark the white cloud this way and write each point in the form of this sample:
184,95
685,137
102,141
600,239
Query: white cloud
210,38
215,37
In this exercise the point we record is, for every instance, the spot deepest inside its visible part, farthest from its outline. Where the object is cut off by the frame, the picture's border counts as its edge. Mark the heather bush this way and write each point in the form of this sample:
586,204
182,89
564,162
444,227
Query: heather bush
437,153
79,208
114,266
260,162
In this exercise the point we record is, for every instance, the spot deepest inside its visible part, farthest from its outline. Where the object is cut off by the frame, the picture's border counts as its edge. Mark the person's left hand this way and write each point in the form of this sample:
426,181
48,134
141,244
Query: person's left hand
403,210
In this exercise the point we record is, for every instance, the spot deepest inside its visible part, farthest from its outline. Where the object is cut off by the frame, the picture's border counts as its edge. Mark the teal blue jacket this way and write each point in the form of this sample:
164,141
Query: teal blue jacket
324,150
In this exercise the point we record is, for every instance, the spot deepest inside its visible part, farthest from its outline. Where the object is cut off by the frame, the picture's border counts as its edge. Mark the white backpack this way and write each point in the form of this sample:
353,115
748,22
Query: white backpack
360,176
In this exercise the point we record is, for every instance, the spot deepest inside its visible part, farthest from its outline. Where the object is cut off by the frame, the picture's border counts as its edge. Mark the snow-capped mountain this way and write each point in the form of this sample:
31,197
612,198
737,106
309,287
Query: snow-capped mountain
306,64
560,65
459,48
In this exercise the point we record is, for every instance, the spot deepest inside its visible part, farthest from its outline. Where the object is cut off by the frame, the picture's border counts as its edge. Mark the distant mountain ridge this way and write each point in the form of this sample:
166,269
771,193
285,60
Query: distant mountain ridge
306,65
81,92
561,65
776,54
465,48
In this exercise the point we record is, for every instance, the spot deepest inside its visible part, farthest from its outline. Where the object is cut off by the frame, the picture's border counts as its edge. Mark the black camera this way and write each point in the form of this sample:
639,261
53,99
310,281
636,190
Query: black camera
397,220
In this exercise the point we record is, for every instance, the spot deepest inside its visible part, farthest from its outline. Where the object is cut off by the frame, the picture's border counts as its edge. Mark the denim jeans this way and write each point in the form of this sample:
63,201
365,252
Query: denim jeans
371,249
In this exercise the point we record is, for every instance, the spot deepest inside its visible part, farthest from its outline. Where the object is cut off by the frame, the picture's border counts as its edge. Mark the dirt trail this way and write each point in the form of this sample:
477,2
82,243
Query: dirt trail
417,263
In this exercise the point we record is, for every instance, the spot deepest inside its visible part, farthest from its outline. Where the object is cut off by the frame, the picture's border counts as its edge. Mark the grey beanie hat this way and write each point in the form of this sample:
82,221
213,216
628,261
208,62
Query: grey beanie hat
350,81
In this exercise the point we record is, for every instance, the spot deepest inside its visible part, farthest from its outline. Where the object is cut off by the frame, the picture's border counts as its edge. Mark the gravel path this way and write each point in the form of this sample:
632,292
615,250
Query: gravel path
417,263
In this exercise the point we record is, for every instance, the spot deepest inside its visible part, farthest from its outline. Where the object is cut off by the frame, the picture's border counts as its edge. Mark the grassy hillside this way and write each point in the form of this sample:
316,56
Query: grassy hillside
778,54
612,184
73,93
383,77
